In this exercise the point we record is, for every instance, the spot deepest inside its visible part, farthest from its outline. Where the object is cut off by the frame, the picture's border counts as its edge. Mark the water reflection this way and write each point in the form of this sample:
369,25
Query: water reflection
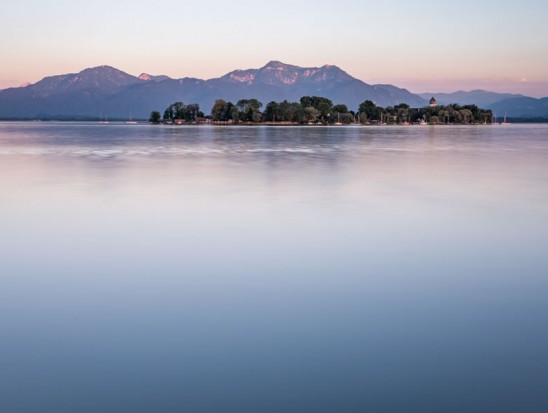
273,269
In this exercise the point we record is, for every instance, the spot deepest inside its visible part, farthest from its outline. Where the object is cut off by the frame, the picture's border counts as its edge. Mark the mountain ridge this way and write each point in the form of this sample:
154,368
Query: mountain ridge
478,97
107,91
522,107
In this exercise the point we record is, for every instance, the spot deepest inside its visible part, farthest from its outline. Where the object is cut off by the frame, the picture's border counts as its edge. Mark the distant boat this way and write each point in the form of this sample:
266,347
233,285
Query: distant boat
130,121
504,122
103,120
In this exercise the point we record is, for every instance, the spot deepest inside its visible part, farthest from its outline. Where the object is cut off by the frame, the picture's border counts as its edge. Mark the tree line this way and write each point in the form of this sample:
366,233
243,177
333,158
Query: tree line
320,110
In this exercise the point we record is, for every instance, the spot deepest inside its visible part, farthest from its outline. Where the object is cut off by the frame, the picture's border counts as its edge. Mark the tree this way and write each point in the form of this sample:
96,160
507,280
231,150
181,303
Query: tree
193,112
155,117
467,115
284,112
296,112
235,114
218,109
271,112
306,101
292,112
249,110
370,110
403,114
180,111
340,109
323,106
174,111
222,111
442,116
342,115
311,114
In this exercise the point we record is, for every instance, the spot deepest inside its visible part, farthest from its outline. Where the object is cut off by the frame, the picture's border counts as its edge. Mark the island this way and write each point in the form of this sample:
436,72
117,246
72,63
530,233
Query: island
317,110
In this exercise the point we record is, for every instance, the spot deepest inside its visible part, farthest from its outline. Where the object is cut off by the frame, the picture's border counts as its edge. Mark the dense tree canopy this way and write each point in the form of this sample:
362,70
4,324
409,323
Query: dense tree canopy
285,111
222,111
155,117
323,107
402,113
249,110
180,111
320,110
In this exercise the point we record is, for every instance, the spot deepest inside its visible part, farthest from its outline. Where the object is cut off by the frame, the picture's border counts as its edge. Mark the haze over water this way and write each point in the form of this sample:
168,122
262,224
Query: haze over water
265,269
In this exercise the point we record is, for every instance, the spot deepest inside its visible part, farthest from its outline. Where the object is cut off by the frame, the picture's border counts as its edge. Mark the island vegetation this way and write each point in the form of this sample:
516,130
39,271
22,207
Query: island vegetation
316,110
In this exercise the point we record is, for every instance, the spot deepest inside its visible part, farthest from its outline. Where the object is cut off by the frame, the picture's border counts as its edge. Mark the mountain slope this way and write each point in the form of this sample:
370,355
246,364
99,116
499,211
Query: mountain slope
481,98
400,95
104,79
522,107
106,91
64,95
278,81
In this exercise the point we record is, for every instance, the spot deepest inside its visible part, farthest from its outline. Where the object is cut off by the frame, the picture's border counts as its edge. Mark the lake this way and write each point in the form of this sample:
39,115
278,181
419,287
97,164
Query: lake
273,269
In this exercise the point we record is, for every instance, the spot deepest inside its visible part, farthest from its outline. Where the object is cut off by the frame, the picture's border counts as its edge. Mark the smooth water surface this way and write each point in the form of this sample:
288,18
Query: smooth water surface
264,269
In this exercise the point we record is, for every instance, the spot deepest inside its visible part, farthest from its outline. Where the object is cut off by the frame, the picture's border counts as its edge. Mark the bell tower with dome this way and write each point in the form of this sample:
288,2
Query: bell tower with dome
433,102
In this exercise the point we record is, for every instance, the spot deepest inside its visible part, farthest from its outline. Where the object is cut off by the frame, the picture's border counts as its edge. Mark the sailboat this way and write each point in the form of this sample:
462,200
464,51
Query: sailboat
504,122
131,121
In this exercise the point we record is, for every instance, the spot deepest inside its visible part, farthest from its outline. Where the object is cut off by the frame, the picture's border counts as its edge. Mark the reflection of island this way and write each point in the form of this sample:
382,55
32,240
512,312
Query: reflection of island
315,110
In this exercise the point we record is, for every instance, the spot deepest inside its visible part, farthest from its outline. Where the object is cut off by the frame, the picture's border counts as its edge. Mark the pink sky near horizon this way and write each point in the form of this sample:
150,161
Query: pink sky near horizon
424,46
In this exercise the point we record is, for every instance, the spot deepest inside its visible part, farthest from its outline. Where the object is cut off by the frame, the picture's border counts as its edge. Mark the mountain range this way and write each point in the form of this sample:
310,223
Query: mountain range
104,91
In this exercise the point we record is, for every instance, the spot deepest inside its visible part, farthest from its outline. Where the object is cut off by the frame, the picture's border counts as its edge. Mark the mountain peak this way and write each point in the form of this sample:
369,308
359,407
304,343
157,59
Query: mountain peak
101,69
145,77
282,74
276,64
103,79
102,74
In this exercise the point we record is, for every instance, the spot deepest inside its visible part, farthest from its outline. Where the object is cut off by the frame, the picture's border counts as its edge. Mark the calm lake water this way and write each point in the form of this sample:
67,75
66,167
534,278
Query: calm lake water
264,269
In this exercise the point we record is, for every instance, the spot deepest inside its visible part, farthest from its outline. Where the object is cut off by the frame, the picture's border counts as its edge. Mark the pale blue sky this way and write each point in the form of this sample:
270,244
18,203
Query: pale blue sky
424,45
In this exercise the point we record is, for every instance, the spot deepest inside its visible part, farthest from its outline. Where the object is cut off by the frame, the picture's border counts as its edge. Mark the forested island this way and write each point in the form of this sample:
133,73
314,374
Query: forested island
316,110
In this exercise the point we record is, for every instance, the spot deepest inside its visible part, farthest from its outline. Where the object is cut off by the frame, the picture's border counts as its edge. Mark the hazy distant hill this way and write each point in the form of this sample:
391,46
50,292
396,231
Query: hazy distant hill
522,107
513,105
65,95
105,91
481,98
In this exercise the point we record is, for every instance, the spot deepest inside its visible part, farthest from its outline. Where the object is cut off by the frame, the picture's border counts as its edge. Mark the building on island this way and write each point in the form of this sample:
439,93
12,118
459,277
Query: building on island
433,102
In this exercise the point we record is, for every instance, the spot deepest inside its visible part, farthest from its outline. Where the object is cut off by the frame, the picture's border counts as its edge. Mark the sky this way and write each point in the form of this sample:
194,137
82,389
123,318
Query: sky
422,45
